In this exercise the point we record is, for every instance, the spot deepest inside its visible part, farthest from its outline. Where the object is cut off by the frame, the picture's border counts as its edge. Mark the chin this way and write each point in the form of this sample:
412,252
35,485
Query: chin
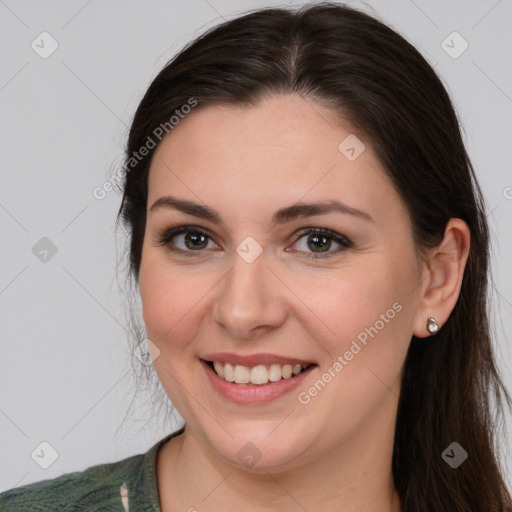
259,450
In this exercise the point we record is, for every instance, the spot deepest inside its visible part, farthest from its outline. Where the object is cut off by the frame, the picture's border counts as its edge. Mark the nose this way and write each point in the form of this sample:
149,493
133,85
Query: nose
249,300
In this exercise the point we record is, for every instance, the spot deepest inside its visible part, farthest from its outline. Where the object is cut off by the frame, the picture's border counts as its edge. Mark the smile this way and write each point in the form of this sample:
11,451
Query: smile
258,375
254,379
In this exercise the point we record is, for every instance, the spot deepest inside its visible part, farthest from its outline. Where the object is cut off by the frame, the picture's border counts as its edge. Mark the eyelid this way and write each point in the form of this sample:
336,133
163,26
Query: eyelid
343,241
164,238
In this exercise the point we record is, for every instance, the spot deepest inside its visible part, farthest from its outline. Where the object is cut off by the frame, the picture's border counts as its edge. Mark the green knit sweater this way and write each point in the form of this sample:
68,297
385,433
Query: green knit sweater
129,485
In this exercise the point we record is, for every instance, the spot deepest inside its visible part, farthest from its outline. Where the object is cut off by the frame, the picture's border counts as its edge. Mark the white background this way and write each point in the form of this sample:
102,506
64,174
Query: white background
65,376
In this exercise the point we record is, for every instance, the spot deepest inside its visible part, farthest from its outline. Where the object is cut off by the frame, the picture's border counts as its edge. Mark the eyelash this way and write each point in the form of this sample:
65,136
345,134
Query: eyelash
166,237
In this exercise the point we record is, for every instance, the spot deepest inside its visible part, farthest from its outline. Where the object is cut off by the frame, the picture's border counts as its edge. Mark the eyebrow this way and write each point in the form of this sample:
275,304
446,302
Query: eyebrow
281,216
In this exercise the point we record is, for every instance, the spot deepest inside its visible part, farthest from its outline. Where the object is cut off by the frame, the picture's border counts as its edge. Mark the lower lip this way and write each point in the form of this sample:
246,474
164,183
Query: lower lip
254,393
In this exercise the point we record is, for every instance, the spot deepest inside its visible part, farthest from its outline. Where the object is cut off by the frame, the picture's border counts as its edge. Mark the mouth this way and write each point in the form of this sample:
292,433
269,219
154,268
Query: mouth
259,375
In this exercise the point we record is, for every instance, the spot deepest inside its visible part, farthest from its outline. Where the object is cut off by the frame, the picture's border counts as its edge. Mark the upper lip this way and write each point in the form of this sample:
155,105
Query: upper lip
253,359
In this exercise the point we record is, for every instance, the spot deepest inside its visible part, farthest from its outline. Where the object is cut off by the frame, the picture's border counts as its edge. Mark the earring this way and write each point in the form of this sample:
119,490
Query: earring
432,325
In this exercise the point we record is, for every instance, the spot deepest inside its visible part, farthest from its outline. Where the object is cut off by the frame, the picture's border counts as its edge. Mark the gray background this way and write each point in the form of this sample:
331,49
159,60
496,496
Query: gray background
65,376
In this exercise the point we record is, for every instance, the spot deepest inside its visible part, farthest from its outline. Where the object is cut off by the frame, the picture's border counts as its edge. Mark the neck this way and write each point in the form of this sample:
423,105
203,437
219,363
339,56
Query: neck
350,477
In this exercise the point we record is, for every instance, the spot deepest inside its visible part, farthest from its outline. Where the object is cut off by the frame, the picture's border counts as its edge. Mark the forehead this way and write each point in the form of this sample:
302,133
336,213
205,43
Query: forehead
284,149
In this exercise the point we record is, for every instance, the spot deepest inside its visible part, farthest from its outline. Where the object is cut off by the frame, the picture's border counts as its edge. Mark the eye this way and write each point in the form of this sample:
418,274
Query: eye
185,240
191,241
320,240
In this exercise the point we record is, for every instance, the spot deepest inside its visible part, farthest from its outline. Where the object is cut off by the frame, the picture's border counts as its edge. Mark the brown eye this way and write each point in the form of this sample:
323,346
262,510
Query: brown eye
318,241
195,241
185,240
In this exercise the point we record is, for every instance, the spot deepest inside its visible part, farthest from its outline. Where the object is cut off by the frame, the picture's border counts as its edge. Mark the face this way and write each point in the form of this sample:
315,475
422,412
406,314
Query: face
263,288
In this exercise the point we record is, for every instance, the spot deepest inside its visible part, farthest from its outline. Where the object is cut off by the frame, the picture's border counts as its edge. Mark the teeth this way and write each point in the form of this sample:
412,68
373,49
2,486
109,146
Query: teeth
274,372
242,374
260,374
229,372
219,368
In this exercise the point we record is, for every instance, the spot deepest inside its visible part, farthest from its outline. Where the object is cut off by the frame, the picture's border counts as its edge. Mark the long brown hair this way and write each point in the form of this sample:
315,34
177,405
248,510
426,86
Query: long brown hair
372,77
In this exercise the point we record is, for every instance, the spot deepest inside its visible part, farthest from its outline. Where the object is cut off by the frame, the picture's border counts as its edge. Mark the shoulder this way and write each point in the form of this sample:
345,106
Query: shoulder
126,485
98,488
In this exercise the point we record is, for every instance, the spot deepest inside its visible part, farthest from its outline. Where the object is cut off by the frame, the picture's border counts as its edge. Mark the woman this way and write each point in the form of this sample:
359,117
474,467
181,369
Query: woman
311,249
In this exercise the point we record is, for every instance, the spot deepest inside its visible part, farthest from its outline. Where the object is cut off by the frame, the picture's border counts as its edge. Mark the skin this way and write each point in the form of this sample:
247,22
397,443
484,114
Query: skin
333,453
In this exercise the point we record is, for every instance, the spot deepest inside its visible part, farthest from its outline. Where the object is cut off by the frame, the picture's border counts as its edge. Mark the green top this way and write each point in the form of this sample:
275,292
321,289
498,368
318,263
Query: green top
129,485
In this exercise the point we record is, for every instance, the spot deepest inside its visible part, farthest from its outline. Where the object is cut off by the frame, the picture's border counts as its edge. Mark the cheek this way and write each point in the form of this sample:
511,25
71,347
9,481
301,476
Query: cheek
369,320
366,311
171,300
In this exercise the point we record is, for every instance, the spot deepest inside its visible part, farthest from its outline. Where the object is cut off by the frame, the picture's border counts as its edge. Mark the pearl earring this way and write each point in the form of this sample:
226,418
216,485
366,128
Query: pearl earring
432,325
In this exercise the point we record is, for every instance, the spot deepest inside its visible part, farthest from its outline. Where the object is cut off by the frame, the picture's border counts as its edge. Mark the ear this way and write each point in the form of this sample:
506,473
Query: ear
442,273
